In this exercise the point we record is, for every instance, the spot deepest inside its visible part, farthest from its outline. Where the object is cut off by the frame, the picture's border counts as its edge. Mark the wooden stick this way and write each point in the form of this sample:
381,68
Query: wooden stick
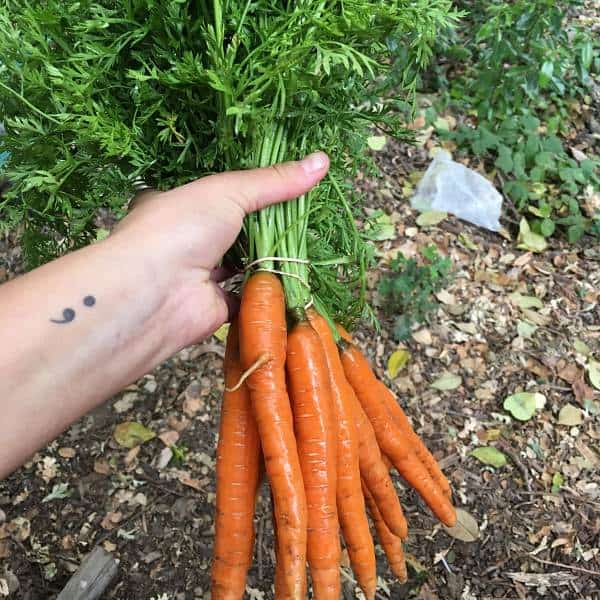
94,575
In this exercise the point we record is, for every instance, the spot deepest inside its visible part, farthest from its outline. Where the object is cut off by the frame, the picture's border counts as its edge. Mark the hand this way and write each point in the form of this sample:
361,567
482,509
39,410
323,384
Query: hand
187,231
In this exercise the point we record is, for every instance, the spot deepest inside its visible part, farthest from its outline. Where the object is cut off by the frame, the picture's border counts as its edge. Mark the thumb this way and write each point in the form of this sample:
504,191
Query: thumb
256,188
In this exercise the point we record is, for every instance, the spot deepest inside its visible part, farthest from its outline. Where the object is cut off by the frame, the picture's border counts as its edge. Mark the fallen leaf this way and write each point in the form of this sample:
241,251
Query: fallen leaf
193,401
536,317
429,218
221,333
379,227
131,455
111,520
376,142
526,301
489,455
412,561
397,361
193,483
557,482
525,329
593,369
101,466
59,491
466,241
569,373
537,368
581,347
4,550
446,298
528,240
164,458
523,405
66,452
130,434
48,468
466,528
109,546
168,438
581,390
19,529
570,415
423,336
448,381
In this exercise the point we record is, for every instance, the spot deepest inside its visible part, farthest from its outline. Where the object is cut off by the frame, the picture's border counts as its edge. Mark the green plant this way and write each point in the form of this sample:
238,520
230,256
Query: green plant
408,290
180,453
100,96
517,69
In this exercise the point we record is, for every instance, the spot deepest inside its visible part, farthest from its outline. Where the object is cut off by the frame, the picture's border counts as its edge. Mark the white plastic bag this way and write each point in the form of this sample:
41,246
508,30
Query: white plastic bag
451,187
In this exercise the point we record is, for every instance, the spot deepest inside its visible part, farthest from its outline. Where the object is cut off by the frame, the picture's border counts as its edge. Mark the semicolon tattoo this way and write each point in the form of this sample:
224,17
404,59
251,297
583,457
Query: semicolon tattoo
68,314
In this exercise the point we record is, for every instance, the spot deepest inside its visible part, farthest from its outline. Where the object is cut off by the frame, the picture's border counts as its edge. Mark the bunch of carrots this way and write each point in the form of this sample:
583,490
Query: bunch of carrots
301,397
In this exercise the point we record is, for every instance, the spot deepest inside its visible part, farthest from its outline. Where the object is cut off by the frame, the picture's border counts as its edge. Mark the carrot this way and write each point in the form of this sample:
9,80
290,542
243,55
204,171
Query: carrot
350,500
281,590
391,544
422,452
263,332
310,394
393,442
238,459
375,473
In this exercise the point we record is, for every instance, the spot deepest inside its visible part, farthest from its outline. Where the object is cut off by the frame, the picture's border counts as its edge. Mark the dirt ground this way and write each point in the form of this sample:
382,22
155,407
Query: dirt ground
538,515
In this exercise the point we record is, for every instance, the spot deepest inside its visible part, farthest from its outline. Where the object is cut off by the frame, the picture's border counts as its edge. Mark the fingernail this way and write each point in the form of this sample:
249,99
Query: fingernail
314,162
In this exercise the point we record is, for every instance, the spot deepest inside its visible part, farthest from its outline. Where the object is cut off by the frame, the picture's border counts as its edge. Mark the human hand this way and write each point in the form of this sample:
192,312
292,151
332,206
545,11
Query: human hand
186,231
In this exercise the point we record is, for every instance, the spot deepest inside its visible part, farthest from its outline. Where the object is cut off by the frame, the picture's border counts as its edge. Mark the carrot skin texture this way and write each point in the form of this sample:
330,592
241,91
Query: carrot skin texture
262,326
421,450
391,544
376,474
238,472
393,442
350,500
310,395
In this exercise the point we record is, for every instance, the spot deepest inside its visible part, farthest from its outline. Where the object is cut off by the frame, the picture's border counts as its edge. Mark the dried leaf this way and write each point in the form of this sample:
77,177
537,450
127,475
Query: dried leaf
489,455
581,347
570,415
594,373
397,361
448,381
429,218
125,403
523,405
193,401
526,301
466,528
130,434
582,391
111,520
66,452
423,336
412,561
101,466
168,438
193,483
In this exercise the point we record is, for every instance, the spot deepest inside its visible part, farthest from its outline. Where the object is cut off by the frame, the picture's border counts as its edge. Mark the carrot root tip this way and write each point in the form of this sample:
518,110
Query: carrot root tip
258,363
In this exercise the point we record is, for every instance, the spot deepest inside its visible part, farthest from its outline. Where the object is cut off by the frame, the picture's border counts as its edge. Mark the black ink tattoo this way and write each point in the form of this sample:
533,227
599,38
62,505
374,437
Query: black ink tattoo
69,314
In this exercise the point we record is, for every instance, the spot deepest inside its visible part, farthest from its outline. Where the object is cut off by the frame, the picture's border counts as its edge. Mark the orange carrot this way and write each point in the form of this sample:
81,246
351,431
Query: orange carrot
263,333
238,458
310,394
422,452
350,500
393,442
391,544
375,472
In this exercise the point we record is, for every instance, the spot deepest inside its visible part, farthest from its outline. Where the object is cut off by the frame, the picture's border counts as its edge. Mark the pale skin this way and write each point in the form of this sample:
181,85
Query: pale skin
78,330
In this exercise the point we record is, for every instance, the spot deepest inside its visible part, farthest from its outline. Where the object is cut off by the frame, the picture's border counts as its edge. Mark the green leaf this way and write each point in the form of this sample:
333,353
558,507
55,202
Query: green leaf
448,381
546,72
504,161
131,434
376,142
429,218
528,240
557,482
594,373
586,54
489,455
380,227
523,405
525,329
547,227
59,491
221,333
397,361
581,347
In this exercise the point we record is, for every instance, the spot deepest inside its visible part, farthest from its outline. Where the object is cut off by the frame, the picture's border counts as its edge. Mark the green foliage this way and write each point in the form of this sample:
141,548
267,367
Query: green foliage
408,291
518,69
99,96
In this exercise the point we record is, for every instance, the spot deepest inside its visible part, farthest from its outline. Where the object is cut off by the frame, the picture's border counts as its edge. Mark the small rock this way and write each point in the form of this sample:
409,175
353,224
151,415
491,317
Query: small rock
126,402
2,516
11,581
164,458
150,386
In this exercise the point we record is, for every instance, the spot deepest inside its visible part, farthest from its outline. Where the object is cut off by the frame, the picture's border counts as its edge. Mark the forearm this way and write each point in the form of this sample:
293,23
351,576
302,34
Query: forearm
73,333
